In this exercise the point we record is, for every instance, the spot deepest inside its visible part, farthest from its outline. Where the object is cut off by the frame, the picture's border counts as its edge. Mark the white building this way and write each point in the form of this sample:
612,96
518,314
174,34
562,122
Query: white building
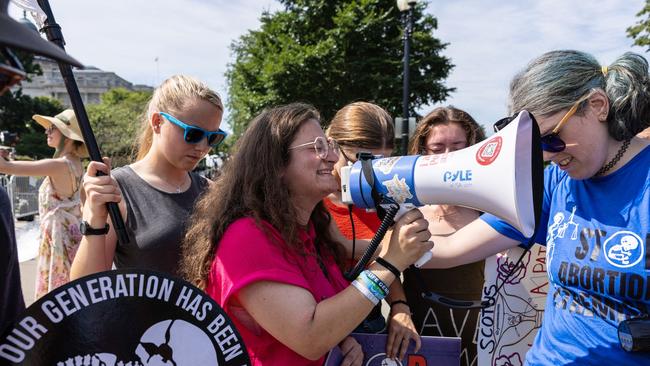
92,83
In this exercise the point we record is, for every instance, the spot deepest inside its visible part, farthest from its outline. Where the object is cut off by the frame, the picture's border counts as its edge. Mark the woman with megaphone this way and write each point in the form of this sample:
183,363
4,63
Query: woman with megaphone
260,245
588,116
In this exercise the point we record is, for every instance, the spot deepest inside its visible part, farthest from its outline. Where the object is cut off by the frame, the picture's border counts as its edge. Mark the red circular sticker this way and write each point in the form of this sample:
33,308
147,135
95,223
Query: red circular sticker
488,153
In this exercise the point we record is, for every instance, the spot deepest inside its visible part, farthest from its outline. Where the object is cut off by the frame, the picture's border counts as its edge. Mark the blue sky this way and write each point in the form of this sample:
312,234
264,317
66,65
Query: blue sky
489,40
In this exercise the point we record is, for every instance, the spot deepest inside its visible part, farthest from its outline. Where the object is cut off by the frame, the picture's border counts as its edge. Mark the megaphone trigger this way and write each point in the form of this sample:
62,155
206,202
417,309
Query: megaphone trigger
403,209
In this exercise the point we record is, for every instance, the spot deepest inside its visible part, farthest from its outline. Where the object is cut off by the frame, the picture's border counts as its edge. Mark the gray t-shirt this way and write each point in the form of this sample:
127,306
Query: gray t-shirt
155,222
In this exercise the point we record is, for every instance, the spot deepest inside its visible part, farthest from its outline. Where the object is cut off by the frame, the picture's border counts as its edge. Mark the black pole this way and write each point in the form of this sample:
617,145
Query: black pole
53,32
408,27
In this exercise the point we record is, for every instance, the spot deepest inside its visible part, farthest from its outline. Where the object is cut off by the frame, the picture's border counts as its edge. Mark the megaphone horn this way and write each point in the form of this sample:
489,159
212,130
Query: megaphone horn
502,175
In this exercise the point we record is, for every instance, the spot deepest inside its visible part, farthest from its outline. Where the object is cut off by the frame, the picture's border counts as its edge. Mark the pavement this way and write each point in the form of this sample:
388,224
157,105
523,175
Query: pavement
27,240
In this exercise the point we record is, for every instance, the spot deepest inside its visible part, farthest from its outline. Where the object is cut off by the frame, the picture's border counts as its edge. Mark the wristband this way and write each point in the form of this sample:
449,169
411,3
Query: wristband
374,284
386,264
364,290
399,302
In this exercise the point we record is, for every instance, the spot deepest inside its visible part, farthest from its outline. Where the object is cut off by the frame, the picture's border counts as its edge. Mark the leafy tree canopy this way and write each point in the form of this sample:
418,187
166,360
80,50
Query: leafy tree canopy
116,122
331,53
640,31
17,109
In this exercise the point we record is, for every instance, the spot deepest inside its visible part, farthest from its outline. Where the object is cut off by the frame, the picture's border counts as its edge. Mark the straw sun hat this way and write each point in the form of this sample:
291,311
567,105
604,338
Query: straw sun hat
66,122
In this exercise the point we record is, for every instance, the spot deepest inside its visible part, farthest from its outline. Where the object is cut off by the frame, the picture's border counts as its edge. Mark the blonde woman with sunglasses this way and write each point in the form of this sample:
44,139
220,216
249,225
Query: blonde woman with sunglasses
599,279
59,205
157,192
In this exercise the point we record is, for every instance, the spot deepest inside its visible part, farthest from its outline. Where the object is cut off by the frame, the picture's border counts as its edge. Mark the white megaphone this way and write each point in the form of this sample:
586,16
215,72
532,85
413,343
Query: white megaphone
502,175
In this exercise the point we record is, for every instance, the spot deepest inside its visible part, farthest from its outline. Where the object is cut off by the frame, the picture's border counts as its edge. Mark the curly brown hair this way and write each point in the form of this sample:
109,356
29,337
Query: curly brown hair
251,186
445,115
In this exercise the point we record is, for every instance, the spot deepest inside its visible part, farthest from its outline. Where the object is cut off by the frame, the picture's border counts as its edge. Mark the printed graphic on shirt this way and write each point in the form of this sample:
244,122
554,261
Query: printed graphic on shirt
600,273
124,318
624,249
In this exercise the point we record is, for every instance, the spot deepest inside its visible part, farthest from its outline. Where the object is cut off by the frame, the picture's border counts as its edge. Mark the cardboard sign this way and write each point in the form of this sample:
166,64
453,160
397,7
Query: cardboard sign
438,351
124,318
507,329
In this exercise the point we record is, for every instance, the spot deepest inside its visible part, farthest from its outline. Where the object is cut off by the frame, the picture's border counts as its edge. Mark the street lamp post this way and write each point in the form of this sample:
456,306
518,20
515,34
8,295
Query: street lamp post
406,6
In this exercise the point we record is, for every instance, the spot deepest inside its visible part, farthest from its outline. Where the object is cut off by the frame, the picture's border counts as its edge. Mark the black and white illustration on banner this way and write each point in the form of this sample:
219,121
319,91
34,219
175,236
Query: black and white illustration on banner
124,318
507,329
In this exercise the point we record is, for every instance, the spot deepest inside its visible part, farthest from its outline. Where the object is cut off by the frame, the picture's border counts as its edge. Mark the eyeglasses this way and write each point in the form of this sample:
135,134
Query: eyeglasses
322,147
550,142
11,72
50,129
194,135
346,156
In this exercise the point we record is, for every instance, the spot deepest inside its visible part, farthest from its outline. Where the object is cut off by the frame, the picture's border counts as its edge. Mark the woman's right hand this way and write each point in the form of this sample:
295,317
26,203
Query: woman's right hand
99,190
409,240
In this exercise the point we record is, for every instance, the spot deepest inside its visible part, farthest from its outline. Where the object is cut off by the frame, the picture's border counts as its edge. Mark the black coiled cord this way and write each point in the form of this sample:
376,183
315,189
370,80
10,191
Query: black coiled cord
386,223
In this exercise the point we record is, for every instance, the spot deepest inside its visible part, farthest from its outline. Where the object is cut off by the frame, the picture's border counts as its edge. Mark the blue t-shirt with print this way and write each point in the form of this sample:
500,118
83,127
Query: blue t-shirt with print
596,232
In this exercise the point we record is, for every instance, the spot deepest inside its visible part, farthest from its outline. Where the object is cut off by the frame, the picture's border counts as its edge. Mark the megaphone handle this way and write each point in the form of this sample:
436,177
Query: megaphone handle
423,259
404,208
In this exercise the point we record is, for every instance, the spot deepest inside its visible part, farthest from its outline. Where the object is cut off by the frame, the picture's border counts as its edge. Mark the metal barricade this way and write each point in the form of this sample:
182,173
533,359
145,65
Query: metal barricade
23,192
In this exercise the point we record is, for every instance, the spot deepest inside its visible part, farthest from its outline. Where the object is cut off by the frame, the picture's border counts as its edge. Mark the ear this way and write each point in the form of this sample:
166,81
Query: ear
156,121
599,104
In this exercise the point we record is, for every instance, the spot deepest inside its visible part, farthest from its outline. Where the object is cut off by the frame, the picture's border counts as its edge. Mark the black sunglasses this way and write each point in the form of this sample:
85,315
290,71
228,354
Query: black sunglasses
550,143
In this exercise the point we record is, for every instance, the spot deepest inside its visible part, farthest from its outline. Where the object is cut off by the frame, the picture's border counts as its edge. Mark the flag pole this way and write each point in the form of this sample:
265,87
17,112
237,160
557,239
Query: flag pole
53,32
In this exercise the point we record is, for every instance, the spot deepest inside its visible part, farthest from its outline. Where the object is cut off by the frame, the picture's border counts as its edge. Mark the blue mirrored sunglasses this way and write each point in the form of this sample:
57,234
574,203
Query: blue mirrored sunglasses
194,135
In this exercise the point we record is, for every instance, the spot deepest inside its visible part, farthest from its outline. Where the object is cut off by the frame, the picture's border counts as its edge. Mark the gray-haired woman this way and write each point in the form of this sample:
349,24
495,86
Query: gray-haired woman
588,116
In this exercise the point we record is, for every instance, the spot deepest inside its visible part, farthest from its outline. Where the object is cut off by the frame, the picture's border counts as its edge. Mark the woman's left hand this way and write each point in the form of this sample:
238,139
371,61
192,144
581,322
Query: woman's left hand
352,352
400,332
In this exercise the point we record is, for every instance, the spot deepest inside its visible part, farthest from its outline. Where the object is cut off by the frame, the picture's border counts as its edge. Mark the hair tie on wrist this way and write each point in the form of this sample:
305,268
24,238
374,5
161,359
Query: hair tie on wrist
388,266
399,302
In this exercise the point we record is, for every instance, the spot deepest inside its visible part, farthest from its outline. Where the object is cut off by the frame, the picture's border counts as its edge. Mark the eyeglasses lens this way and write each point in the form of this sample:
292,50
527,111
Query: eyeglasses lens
193,135
552,143
215,139
320,145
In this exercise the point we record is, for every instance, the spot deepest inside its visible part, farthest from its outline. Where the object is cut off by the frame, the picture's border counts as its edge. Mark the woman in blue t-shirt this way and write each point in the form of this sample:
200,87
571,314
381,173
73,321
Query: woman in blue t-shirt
595,216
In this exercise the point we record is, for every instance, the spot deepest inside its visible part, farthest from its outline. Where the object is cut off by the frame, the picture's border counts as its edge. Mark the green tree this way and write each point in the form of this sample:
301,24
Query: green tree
17,109
640,31
330,53
116,122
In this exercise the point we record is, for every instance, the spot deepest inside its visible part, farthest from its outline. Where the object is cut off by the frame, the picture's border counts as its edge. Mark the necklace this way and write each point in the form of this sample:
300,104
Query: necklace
175,188
616,158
